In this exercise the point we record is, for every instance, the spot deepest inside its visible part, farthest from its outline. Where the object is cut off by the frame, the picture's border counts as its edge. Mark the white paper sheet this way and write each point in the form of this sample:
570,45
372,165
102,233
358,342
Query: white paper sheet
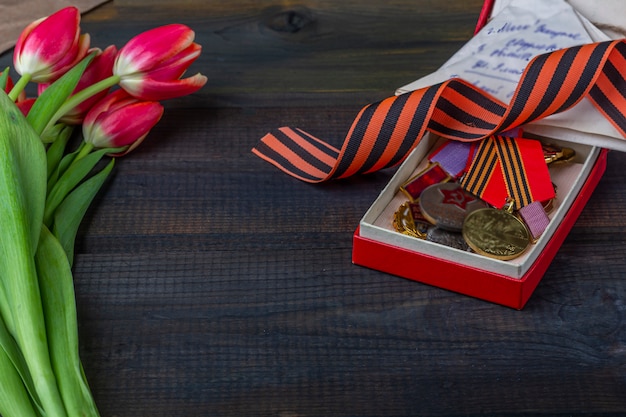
496,57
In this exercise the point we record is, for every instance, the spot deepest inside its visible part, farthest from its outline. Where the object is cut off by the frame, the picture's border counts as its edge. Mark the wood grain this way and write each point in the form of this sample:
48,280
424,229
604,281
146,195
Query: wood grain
210,284
312,52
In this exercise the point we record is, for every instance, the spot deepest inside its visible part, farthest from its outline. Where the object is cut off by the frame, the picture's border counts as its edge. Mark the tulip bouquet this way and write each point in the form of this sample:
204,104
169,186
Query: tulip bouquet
50,172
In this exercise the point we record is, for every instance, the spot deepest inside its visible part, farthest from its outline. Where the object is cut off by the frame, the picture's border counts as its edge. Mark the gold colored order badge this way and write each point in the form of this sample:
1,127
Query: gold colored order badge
496,233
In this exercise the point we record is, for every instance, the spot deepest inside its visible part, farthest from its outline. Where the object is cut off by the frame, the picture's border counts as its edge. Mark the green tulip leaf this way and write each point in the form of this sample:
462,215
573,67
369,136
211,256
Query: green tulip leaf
59,305
50,101
22,197
70,213
4,77
75,173
24,164
14,398
16,389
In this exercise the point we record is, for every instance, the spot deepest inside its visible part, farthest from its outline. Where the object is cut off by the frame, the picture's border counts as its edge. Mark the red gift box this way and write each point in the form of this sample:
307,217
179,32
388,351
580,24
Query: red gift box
379,246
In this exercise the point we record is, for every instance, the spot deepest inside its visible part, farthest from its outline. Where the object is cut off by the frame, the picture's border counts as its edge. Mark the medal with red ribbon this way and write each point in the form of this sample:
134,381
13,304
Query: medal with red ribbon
509,169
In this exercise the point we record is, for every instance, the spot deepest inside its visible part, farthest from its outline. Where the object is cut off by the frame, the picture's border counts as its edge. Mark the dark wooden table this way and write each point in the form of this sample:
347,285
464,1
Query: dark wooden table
210,284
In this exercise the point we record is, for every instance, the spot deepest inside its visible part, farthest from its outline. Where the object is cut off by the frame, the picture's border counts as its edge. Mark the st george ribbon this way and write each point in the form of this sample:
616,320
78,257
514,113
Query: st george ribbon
384,133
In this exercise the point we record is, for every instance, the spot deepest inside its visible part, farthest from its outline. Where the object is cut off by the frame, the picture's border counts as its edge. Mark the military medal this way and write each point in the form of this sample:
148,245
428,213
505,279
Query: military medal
496,233
553,153
446,205
433,174
408,220
404,222
567,155
506,168
510,174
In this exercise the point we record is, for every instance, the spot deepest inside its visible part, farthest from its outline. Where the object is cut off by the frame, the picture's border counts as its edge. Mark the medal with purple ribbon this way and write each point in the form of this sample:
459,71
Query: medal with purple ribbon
453,156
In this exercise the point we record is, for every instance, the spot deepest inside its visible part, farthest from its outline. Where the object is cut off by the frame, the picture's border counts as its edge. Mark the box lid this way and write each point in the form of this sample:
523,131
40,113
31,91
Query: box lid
517,31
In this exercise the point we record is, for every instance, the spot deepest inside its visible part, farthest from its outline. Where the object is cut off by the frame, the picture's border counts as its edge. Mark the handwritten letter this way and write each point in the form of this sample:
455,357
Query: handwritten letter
496,57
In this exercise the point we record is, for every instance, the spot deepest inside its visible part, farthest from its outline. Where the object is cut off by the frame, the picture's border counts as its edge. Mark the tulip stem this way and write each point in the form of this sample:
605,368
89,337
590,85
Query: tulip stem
83,95
19,86
85,148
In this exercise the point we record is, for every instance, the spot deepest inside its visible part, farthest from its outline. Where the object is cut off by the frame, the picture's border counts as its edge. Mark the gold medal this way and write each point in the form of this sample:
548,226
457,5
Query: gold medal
408,221
556,154
568,155
496,233
551,152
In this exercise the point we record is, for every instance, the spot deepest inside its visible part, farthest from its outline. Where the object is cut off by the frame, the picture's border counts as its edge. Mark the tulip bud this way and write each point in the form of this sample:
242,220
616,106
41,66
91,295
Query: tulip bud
150,65
120,120
50,46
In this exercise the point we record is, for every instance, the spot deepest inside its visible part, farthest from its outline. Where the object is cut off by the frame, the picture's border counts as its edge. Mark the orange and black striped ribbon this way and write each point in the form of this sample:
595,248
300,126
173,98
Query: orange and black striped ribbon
506,169
384,133
481,174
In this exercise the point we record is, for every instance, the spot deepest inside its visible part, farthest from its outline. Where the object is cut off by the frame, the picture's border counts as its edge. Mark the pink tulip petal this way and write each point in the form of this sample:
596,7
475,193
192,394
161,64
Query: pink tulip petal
151,64
149,48
102,107
48,47
62,26
99,69
125,125
72,58
120,120
155,90
130,148
19,44
176,66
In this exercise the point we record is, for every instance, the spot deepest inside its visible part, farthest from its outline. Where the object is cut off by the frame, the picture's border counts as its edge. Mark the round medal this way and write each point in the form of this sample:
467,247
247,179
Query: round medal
445,205
496,233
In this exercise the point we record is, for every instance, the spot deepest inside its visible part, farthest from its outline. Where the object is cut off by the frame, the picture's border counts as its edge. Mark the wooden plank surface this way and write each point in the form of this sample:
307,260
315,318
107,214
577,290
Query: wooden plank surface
210,284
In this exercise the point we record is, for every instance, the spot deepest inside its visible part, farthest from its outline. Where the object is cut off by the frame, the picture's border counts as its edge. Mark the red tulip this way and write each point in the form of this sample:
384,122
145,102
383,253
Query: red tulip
99,69
49,47
150,65
120,120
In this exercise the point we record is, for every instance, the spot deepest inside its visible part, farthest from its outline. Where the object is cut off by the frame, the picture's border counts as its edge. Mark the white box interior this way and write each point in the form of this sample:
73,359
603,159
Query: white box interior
377,223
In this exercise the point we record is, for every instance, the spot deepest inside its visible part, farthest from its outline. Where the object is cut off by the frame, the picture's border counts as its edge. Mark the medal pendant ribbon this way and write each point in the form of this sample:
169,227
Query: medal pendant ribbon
433,174
453,156
507,169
